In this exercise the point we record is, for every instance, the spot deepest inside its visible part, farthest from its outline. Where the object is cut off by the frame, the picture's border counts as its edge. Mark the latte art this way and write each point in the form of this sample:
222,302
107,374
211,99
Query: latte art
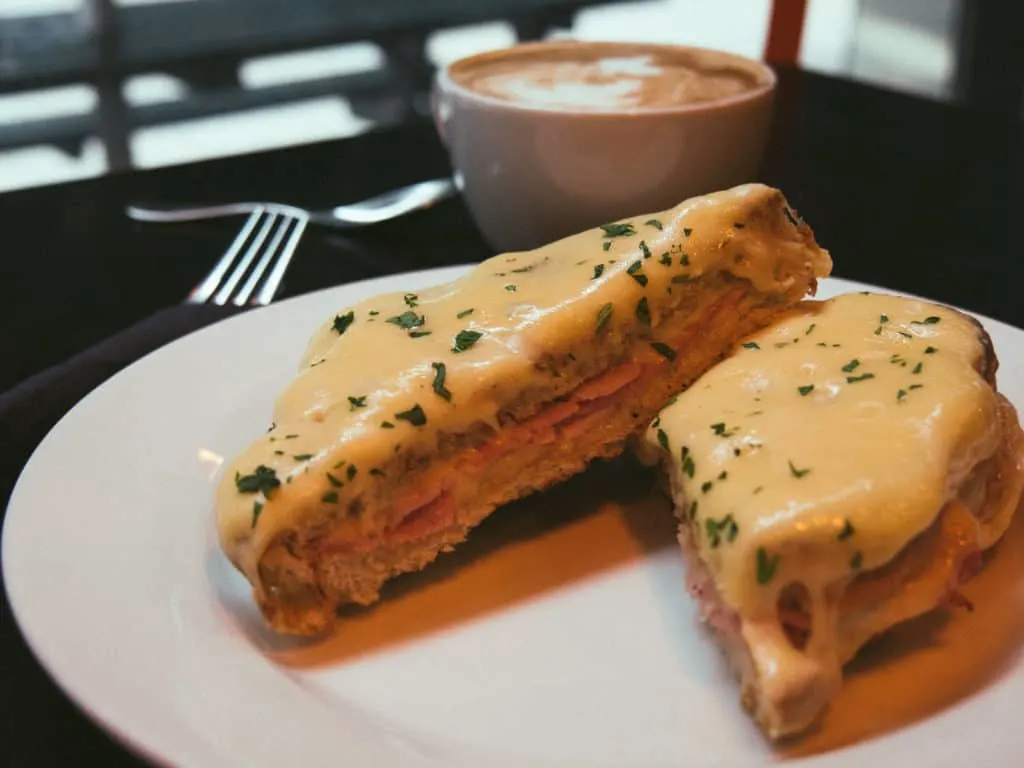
591,79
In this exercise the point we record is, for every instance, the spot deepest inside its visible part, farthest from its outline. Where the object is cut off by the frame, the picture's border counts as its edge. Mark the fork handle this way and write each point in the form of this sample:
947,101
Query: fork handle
160,213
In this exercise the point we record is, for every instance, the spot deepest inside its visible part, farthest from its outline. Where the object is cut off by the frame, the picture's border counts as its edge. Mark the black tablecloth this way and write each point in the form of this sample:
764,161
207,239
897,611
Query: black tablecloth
905,193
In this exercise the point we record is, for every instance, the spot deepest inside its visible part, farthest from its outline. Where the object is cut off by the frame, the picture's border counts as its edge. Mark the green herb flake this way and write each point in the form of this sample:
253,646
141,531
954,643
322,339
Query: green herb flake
377,472
645,250
665,259
511,287
386,425
900,394
766,565
598,271
810,328
607,245
465,339
356,402
262,480
303,457
705,487
439,374
723,475
918,368
618,230
878,332
419,334
687,231
603,315
410,299
805,390
684,260
643,312
751,345
407,320
414,416
330,497
851,366
862,377
930,350
464,313
688,466
333,480
681,279
931,320
654,223
797,473
846,532
663,439
664,350
350,473
856,561
915,386
257,510
373,313
633,270
342,322
715,528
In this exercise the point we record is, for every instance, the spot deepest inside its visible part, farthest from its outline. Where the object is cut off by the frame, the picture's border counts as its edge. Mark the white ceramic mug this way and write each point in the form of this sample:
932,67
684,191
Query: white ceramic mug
532,174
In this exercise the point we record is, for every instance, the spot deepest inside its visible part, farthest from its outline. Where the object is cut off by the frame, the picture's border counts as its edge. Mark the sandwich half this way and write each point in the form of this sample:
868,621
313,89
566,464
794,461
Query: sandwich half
846,469
413,416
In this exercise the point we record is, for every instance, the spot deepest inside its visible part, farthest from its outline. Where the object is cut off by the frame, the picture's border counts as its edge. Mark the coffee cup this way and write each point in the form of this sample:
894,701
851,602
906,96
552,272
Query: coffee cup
551,138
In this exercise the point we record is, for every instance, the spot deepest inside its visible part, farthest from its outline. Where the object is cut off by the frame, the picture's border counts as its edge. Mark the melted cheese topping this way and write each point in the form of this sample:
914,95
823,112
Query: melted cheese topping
818,451
370,384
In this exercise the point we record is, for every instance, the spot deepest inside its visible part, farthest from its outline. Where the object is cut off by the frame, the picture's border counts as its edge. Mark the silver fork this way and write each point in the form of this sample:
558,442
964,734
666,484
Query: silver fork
267,240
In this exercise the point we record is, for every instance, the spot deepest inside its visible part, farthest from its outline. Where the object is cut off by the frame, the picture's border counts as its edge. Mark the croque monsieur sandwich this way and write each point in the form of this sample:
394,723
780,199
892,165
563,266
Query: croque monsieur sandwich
843,471
415,415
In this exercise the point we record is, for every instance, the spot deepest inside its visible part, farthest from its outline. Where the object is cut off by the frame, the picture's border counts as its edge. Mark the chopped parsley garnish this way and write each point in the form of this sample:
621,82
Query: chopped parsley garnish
257,510
663,439
766,566
653,223
618,230
290,437
918,368
511,287
688,466
598,271
333,480
681,279
356,402
377,472
687,231
419,334
932,320
407,320
279,453
439,374
915,386
851,366
810,328
466,339
751,345
414,416
705,487
522,270
664,350
373,313
464,313
805,390
666,259
330,497
797,473
862,377
633,270
721,430
262,480
900,394
607,245
342,322
930,350
603,315
386,425
684,260
856,560
643,311
715,528
846,532
303,456
878,332
410,299
645,250
350,473
723,475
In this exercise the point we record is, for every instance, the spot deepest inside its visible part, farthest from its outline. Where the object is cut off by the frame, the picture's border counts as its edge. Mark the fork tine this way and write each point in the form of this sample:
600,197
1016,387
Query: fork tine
266,294
205,289
242,295
242,266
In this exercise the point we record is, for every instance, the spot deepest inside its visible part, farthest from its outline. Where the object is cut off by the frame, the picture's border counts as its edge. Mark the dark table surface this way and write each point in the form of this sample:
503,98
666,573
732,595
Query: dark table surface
910,194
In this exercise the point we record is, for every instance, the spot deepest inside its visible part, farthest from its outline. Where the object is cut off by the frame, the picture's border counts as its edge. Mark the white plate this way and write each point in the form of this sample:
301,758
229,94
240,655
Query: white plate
559,634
